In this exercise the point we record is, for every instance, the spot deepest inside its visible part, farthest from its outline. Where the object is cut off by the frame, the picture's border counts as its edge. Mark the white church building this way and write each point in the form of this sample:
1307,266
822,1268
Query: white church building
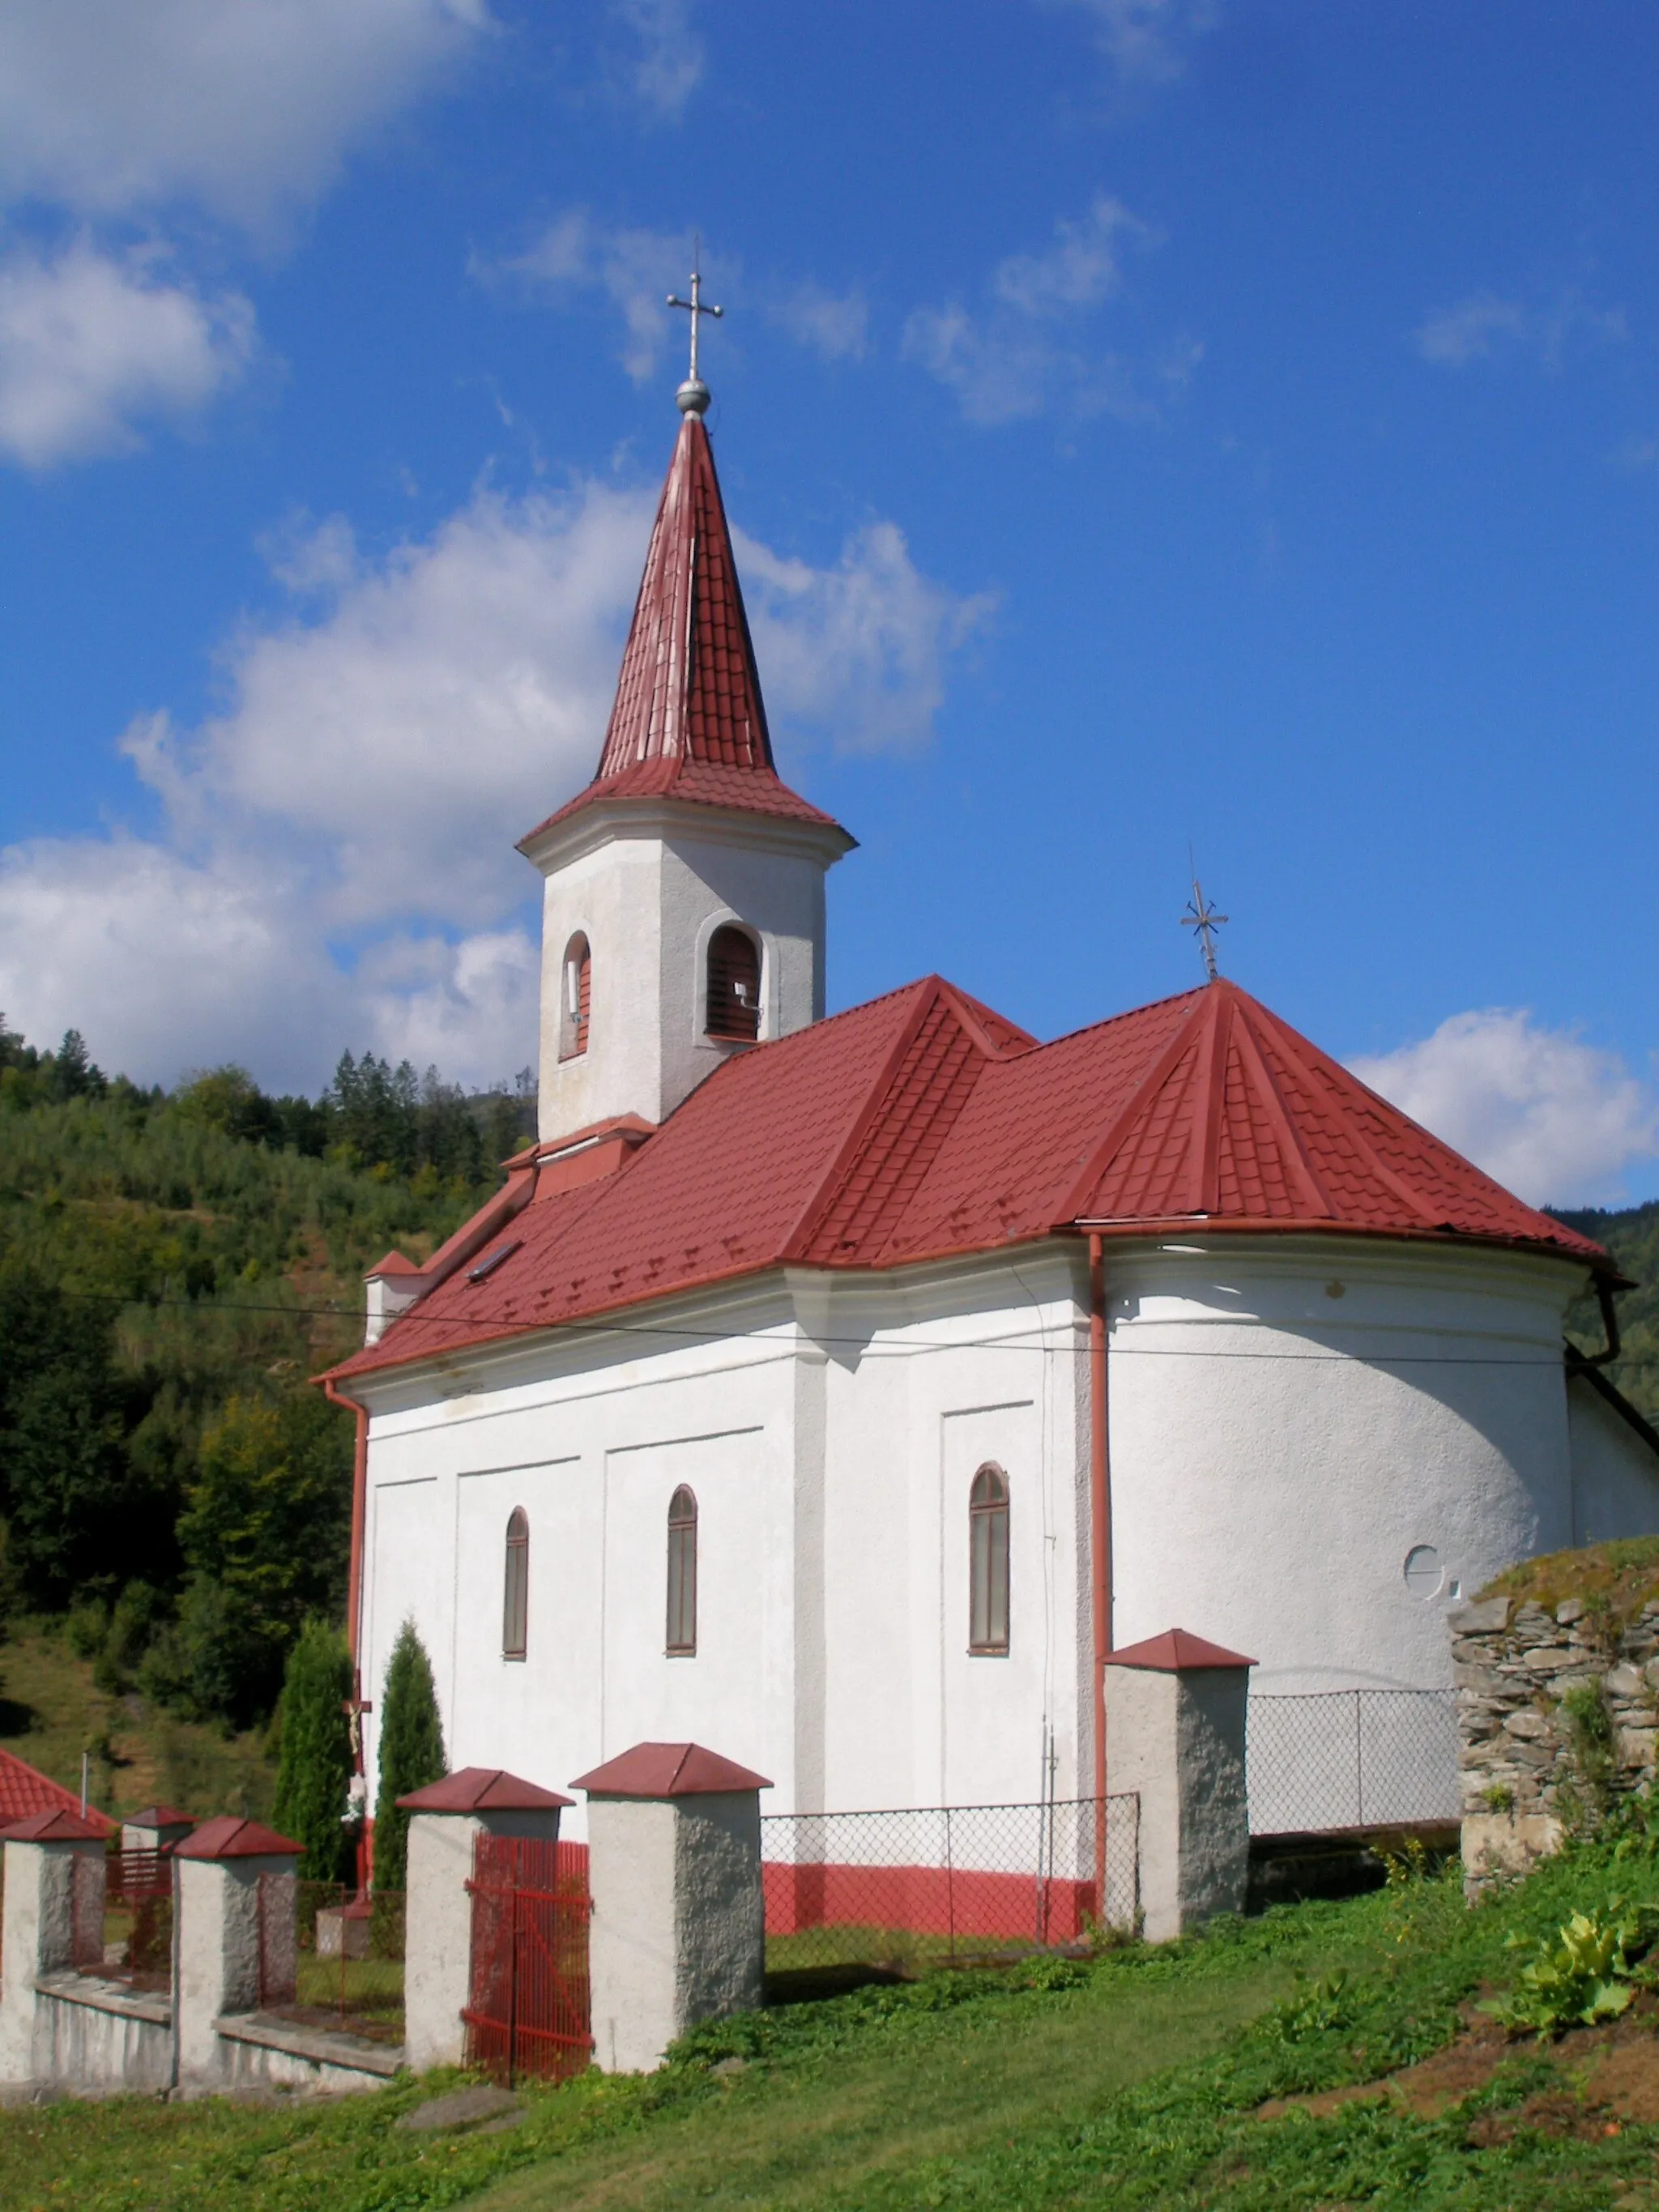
836,1392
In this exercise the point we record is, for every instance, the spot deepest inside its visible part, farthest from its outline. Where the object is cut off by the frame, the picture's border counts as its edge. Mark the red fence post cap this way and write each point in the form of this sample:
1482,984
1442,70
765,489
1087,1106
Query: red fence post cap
1177,1652
669,1769
55,1826
225,1836
483,1790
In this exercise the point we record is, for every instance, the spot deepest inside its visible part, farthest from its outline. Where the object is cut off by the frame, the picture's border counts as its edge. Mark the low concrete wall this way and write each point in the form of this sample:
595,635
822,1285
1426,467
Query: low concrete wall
262,2051
93,2035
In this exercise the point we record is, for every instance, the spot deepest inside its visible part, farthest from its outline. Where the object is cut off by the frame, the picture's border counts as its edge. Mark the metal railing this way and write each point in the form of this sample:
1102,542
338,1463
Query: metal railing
331,1959
137,1930
527,2010
1352,1759
945,1885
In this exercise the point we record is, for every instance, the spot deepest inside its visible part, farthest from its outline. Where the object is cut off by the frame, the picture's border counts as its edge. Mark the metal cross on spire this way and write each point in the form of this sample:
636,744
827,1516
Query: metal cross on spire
693,395
1205,921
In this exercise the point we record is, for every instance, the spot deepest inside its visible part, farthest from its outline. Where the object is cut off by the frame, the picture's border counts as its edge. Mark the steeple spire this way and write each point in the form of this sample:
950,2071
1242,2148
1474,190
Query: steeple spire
689,687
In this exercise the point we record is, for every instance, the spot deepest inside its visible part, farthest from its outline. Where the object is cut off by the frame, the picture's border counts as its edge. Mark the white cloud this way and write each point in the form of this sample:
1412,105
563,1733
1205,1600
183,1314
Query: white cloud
635,269
336,863
91,345
1145,39
666,65
1554,1119
1485,326
1026,348
858,652
243,107
835,325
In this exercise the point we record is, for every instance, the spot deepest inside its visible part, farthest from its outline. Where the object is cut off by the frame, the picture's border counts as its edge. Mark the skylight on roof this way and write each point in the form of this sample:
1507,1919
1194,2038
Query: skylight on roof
492,1260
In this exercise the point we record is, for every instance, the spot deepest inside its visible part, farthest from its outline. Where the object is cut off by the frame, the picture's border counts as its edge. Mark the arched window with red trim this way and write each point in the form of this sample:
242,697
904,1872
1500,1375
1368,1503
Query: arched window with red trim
515,1599
987,1562
682,1637
575,997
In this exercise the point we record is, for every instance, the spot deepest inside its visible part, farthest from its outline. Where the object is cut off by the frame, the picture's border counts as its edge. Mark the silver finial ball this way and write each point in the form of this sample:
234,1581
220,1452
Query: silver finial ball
693,397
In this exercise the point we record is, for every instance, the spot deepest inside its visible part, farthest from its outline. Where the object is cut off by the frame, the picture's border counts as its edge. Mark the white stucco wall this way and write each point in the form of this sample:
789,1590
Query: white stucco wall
1291,1418
1615,1472
1276,1451
647,902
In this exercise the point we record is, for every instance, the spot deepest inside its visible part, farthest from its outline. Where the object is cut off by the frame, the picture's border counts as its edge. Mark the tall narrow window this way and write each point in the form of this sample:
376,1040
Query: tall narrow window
734,979
515,1599
987,1562
576,993
682,1574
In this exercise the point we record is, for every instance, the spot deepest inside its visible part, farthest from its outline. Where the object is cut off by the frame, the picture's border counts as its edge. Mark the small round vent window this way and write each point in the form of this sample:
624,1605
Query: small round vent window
1423,1574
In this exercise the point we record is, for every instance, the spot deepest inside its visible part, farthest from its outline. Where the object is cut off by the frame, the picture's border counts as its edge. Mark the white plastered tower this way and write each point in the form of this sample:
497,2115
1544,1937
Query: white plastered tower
685,886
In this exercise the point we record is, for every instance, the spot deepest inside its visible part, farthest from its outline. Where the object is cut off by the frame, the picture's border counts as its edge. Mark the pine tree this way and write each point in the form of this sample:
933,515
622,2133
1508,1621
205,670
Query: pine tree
315,1768
411,1751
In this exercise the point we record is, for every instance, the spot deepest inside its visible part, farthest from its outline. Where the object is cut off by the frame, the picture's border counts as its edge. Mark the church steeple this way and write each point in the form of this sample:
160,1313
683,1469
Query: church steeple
683,913
689,687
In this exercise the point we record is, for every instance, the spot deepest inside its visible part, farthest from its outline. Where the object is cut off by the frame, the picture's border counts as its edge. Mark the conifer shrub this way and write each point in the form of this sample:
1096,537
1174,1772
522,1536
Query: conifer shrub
314,1769
411,1751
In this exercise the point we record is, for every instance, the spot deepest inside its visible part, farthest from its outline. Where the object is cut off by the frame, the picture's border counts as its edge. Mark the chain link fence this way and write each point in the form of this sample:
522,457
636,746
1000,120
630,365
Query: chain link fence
945,1885
1352,1759
330,1959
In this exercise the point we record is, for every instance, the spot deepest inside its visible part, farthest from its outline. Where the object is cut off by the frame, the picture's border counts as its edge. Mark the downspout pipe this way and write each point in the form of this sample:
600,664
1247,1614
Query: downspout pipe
1100,1533
354,1611
359,1502
1609,1351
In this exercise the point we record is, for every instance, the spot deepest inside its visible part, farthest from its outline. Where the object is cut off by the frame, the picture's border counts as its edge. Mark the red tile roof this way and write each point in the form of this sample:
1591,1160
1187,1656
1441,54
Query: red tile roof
483,1790
57,1824
922,1125
1177,1652
668,1769
25,1791
689,721
226,1837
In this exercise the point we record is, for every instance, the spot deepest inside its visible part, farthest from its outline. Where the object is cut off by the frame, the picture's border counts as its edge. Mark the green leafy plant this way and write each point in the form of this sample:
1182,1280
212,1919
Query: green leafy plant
1499,1798
1582,1973
1312,2008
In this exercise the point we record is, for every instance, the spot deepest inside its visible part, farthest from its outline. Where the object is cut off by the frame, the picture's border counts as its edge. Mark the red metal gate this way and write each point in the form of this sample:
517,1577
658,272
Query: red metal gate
526,2011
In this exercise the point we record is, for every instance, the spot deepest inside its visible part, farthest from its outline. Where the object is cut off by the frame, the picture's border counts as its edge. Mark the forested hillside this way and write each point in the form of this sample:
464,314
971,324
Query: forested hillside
1632,1238
173,1268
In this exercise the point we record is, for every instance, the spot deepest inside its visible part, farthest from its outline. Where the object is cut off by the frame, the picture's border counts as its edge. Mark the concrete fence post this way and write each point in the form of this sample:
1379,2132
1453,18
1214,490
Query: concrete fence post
1175,1708
157,1828
218,1935
679,1931
49,1858
445,1820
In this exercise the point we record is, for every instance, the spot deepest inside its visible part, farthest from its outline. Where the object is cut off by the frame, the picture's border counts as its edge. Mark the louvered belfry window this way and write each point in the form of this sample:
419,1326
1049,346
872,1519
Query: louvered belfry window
515,1601
576,994
681,1640
987,1562
734,977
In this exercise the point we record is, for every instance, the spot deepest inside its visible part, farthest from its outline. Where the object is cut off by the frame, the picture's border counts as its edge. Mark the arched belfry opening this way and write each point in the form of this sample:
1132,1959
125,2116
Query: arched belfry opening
733,985
577,998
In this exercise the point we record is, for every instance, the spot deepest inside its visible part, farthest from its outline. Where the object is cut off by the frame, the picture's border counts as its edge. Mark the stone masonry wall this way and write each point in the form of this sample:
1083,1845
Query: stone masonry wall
1523,1767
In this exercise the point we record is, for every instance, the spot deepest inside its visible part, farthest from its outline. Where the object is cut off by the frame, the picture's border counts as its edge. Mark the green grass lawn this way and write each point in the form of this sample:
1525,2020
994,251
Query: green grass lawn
1135,2082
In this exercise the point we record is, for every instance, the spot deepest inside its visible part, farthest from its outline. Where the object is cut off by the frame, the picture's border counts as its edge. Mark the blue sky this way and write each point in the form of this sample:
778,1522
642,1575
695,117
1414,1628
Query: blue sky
1148,423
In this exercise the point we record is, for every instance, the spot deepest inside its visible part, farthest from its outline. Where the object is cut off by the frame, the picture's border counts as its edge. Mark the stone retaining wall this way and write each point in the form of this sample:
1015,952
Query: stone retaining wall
1525,1769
